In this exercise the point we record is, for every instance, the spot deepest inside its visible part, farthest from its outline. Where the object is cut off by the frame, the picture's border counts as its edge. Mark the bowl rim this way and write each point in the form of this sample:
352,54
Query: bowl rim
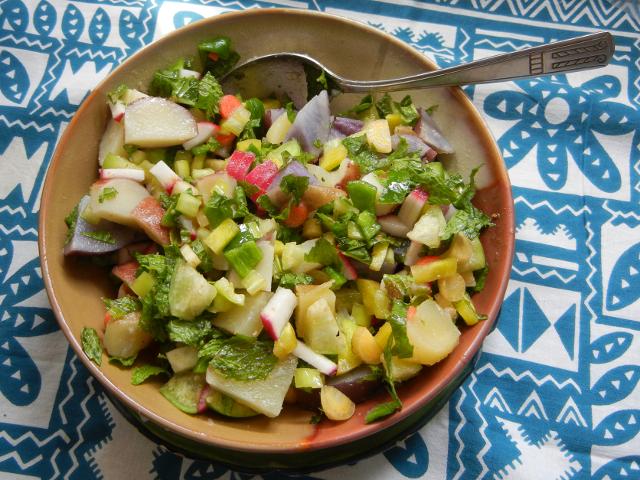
367,430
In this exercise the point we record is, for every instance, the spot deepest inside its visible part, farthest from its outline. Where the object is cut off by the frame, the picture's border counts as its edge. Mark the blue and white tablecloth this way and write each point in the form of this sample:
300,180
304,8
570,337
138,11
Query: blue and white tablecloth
555,392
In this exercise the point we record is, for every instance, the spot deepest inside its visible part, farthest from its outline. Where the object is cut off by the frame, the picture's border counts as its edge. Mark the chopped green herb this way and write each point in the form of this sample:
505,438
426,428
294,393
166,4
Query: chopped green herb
323,253
385,409
210,145
115,95
290,280
291,113
143,372
107,193
365,104
125,362
240,358
359,151
398,320
294,185
189,332
322,80
71,220
384,105
209,95
91,345
119,307
407,111
100,236
469,222
481,278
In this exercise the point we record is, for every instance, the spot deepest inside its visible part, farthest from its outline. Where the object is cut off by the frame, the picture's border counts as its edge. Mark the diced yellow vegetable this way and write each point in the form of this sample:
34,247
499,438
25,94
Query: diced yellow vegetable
335,404
382,337
202,233
215,164
125,337
378,255
365,346
402,369
360,314
198,161
477,260
236,121
432,333
334,152
393,119
460,249
321,332
311,228
428,272
286,342
243,145
278,129
308,378
225,289
270,103
374,297
307,295
453,287
143,284
182,168
222,235
379,136
279,247
347,359
467,310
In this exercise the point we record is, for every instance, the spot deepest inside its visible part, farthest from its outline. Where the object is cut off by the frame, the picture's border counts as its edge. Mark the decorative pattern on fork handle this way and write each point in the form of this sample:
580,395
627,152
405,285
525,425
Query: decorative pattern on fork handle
574,57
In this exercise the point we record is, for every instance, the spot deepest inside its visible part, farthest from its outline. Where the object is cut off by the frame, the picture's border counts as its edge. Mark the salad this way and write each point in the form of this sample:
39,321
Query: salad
267,255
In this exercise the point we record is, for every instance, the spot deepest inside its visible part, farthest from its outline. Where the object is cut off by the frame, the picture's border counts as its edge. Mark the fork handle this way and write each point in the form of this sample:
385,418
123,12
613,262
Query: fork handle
581,53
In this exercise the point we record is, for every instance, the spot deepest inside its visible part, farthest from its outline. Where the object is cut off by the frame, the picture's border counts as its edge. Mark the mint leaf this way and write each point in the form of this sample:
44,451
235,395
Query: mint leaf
290,280
398,320
385,409
294,185
125,362
209,95
323,253
122,306
359,151
407,111
481,278
71,220
107,193
381,411
91,345
240,358
100,236
191,332
143,372
384,105
468,222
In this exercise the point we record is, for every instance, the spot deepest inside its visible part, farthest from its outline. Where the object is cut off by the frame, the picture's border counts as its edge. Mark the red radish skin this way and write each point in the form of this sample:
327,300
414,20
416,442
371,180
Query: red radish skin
427,259
277,312
411,311
412,206
165,175
202,399
126,272
239,164
261,177
347,267
148,216
352,173
228,104
213,56
107,319
413,253
117,111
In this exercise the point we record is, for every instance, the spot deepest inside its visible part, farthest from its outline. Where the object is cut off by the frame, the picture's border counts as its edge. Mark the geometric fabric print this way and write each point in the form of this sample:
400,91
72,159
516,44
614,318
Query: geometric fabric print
20,74
538,324
620,270
172,15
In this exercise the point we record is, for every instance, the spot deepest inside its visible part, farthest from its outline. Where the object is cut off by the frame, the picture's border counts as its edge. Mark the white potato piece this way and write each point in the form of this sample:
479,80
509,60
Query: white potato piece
112,141
244,319
432,333
264,396
119,196
157,122
124,337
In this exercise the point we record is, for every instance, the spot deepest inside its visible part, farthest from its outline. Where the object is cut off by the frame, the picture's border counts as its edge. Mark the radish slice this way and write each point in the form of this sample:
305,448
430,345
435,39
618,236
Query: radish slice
392,225
202,400
412,206
184,73
451,211
314,359
130,173
117,110
348,269
276,314
413,253
205,131
187,225
164,175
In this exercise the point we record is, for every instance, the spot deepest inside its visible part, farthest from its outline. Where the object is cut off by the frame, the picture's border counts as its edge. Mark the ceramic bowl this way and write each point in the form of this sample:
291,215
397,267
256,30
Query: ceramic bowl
356,51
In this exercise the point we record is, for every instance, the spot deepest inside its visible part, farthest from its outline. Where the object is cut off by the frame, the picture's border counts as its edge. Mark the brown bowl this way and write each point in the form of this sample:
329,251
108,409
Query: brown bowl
355,51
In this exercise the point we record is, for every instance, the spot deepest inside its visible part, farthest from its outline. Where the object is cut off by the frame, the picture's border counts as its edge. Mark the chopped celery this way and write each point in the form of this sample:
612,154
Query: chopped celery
292,147
353,232
116,161
347,359
338,278
363,195
244,257
225,289
254,282
222,235
198,173
308,378
198,162
143,284
182,168
188,204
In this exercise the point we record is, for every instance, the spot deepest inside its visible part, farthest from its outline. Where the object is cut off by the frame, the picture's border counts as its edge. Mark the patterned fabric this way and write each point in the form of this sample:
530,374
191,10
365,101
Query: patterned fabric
555,392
